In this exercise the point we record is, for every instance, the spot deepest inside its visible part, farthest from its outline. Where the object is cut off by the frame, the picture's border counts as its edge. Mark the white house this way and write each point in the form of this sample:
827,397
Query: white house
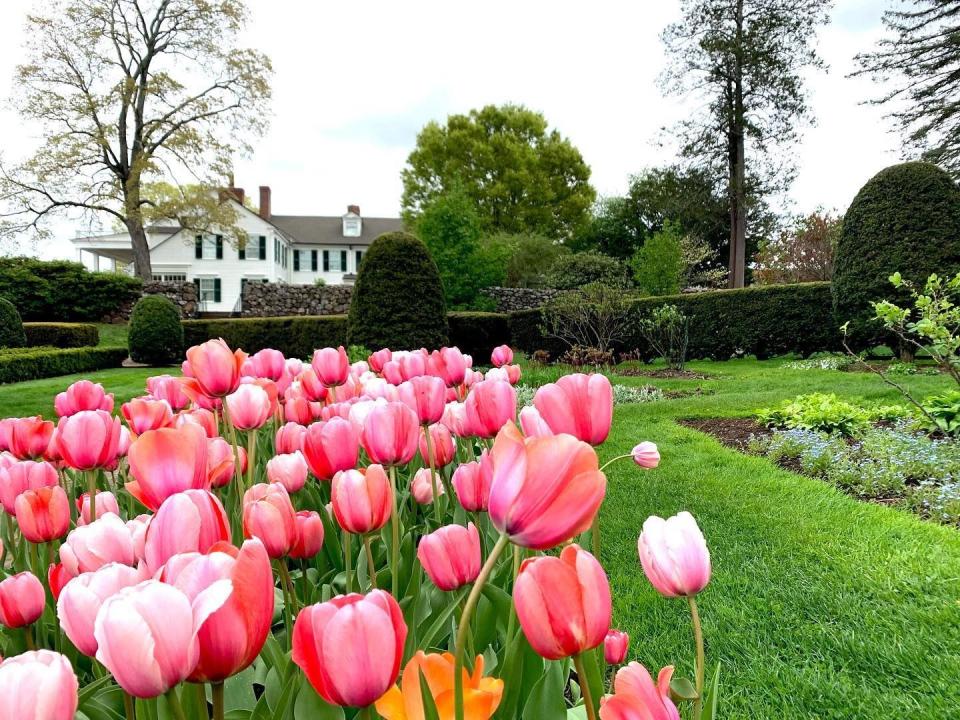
294,249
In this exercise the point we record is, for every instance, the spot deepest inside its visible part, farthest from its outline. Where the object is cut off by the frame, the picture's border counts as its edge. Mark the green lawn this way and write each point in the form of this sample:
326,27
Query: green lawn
36,396
112,334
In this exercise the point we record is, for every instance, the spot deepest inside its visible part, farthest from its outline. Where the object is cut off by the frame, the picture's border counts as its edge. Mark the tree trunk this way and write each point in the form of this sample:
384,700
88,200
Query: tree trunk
738,173
141,250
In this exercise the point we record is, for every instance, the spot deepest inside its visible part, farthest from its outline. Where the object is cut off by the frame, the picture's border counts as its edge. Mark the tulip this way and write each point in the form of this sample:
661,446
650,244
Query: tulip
646,455
23,475
391,372
89,439
412,364
231,637
309,539
490,405
269,516
22,599
362,499
513,373
138,534
390,434
290,470
451,556
144,414
544,491
580,405
426,396
533,424
249,407
82,395
147,634
222,460
105,503
312,387
481,695
268,363
90,547
290,437
29,437
442,447
615,646
43,514
167,461
377,360
57,578
202,417
497,373
350,647
214,369
450,365
455,418
422,486
82,597
167,387
501,356
636,697
297,408
472,483
38,685
332,366
331,446
563,603
674,555
191,521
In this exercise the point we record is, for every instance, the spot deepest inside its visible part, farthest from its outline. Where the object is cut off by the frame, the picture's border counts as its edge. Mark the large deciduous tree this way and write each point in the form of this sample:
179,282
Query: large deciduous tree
522,177
921,56
129,94
743,61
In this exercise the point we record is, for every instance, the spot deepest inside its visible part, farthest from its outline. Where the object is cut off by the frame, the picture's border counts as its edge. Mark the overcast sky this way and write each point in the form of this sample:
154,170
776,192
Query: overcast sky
355,81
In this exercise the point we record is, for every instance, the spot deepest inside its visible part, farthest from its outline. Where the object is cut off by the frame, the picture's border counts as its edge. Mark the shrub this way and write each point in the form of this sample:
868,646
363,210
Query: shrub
821,412
477,333
574,271
398,298
580,356
658,266
907,219
41,362
11,326
667,330
595,316
942,412
61,335
156,336
295,336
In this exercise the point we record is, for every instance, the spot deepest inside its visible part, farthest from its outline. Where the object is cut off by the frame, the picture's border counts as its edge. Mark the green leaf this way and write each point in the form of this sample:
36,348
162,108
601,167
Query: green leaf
310,706
713,697
545,701
238,691
682,689
429,706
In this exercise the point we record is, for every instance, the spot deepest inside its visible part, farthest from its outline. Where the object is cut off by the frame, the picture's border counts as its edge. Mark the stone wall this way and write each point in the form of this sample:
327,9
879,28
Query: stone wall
183,295
279,299
512,299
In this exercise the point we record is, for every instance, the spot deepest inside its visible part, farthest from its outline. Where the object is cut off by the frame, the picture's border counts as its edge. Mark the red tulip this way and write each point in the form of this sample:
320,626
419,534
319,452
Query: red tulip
214,369
30,436
426,395
57,578
249,407
351,647
646,455
21,476
290,437
81,598
451,556
674,555
636,697
38,685
167,387
230,638
269,515
22,599
330,447
579,405
167,461
615,646
544,490
472,483
90,547
442,447
501,356
421,486
290,470
563,603
331,365
144,414
390,434
190,521
362,499
43,514
201,417
106,503
82,395
89,439
377,360
490,405
222,460
309,535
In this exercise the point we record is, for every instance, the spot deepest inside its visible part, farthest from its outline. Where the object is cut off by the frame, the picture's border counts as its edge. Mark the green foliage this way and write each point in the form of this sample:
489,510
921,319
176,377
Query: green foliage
521,177
943,412
62,335
905,219
576,270
658,266
398,297
296,336
667,330
156,336
526,259
63,291
826,412
40,362
356,353
11,326
478,333
594,317
450,228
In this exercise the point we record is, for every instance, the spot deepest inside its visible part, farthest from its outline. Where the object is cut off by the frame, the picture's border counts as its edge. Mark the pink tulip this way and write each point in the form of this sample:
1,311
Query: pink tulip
145,414
532,424
426,395
331,446
496,373
294,366
392,373
472,483
615,646
297,408
23,475
147,634
249,407
412,364
501,356
290,470
513,373
378,359
579,405
29,437
421,486
200,417
269,515
450,365
309,535
89,439
82,395
563,603
490,405
214,369
90,547
312,387
290,437
191,521
362,500
222,460
167,461
674,555
231,637
138,535
442,447
455,418
167,387
38,685
351,647
22,599
331,365
106,503
57,578
43,514
451,556
636,697
81,598
268,363
390,434
646,455
544,491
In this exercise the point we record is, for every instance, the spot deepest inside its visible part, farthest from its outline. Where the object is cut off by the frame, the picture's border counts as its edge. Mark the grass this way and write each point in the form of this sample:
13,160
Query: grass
35,397
112,334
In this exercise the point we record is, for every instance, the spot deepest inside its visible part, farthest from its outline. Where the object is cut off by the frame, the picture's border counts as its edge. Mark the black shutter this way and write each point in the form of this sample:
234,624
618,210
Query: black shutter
343,261
216,289
296,260
263,247
326,261
219,247
313,260
359,258
242,249
196,282
198,247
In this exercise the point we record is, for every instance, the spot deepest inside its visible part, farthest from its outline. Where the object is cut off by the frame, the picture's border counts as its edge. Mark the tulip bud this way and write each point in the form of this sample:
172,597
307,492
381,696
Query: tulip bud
442,446
615,646
646,455
290,438
29,437
89,439
144,414
249,407
82,395
490,405
390,434
106,503
426,396
23,475
167,387
471,481
22,599
191,521
451,556
422,484
214,369
309,535
290,470
501,356
167,461
331,446
674,555
579,405
269,516
378,359
331,365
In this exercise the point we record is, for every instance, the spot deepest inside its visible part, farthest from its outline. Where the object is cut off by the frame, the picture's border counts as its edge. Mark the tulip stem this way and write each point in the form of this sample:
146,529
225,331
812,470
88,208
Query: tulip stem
174,702
613,460
217,691
128,707
698,635
595,535
288,584
464,626
348,561
584,686
395,530
371,566
433,475
251,455
236,449
92,489
28,637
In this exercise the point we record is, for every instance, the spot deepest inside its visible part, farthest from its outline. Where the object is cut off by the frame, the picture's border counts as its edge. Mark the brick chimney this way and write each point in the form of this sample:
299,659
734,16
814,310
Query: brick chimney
265,211
355,209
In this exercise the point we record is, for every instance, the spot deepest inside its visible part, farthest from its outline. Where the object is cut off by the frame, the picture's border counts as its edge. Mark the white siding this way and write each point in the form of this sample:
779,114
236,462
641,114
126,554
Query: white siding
332,276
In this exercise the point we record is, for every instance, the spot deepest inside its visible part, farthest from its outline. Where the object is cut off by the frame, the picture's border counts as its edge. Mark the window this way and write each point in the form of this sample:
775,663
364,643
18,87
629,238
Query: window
170,278
313,260
262,255
210,247
242,249
296,260
209,289
351,227
359,257
276,251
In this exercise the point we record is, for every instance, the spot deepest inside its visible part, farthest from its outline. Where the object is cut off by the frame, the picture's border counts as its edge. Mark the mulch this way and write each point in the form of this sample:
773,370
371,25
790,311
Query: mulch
737,433
663,374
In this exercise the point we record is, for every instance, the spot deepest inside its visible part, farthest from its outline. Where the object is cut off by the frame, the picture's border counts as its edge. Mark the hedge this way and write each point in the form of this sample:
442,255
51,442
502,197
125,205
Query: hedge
156,335
296,336
477,333
17,364
61,335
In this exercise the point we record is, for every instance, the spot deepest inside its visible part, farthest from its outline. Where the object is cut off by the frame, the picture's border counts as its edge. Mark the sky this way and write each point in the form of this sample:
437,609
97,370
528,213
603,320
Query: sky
355,81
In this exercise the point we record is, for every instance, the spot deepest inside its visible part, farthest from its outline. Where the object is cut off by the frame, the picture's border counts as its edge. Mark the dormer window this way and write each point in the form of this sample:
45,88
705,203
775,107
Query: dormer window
351,226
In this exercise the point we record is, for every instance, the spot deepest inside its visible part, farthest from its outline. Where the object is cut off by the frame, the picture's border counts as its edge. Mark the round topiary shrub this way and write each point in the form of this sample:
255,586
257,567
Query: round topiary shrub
907,219
156,335
398,297
11,326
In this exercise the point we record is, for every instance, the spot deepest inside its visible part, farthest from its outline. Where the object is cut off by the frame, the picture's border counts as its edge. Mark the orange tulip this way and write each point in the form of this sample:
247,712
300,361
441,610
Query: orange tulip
167,461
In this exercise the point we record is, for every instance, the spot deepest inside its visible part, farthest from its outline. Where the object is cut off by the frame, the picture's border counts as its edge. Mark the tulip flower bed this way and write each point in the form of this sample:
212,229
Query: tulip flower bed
270,538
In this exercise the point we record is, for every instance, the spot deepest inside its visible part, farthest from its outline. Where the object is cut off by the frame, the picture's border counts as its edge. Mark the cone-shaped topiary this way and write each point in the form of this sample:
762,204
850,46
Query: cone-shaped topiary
156,335
907,219
398,297
11,326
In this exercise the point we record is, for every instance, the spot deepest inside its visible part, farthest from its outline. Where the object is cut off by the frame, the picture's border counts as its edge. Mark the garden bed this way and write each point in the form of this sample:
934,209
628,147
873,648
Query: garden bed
736,433
663,374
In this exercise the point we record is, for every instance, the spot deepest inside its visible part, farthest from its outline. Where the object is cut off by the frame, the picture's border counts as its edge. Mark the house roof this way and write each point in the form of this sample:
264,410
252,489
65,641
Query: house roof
324,230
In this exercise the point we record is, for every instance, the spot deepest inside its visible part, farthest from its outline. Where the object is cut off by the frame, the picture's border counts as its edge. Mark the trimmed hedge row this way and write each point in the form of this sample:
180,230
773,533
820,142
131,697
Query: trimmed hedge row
477,333
61,335
296,336
17,364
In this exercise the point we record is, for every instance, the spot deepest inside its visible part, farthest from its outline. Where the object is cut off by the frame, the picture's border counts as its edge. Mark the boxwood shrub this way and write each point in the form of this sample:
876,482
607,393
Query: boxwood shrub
11,326
295,336
61,335
156,336
17,364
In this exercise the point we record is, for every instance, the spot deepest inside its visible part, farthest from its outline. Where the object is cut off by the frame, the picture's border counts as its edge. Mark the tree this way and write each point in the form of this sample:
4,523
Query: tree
658,266
450,228
529,258
521,177
802,253
745,59
129,93
923,53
